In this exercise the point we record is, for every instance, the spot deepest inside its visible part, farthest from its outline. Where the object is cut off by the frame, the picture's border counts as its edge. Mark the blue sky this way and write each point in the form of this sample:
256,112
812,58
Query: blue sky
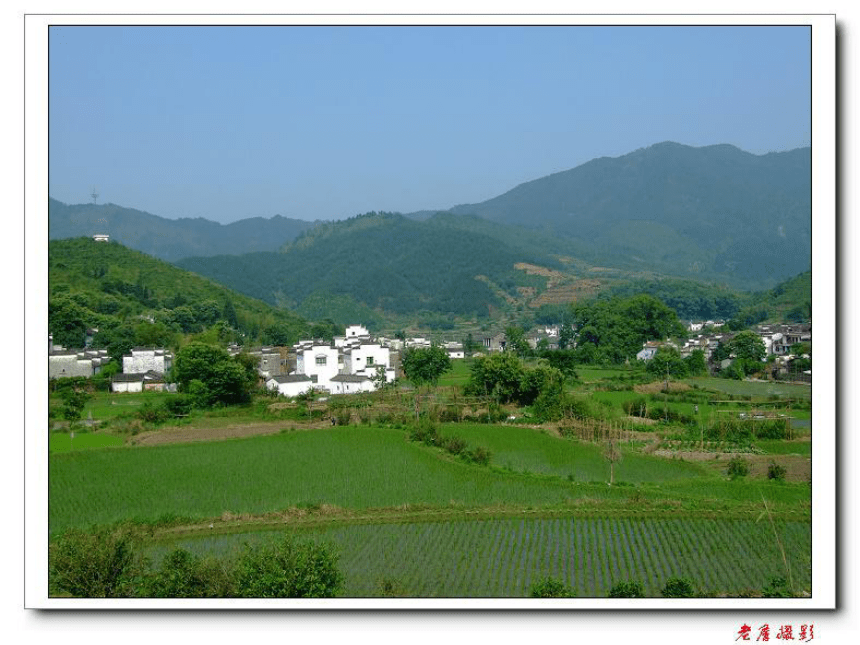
328,122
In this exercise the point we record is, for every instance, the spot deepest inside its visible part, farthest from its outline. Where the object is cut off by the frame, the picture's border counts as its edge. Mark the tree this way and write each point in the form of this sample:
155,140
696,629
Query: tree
748,345
696,363
516,337
499,374
468,345
424,366
565,336
212,376
667,360
678,588
613,454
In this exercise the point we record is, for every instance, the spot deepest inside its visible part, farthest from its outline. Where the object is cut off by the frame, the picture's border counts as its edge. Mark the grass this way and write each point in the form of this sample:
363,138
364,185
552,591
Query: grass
459,374
525,449
504,557
754,388
62,441
354,467
803,448
589,374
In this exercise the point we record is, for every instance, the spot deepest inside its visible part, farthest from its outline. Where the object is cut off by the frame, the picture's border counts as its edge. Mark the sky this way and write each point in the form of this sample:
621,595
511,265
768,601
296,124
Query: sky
329,122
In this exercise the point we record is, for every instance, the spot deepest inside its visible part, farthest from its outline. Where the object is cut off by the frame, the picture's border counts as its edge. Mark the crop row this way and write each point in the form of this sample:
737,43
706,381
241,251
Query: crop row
503,558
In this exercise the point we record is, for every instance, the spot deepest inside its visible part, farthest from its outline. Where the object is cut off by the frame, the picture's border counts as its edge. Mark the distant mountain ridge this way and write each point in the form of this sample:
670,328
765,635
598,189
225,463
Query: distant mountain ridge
168,239
714,211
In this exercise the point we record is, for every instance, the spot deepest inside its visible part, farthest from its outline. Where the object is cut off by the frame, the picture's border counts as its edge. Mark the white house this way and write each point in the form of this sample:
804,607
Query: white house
320,360
127,383
291,384
455,350
86,362
101,237
366,358
351,384
145,359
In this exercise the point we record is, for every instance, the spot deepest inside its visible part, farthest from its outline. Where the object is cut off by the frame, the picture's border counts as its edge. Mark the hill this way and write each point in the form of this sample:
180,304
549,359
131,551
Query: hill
714,212
171,239
135,299
387,263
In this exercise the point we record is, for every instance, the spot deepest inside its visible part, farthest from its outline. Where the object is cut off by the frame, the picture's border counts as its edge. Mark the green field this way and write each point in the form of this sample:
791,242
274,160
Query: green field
525,449
354,467
459,374
504,557
63,442
360,468
759,389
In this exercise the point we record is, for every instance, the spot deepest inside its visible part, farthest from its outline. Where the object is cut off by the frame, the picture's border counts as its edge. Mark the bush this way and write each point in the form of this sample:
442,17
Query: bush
738,467
179,405
777,588
454,445
480,456
550,588
288,569
628,589
424,431
184,575
342,416
102,564
776,472
678,588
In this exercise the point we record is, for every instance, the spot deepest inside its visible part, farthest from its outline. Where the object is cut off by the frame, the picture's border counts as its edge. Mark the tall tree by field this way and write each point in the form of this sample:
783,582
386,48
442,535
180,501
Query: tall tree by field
612,331
748,345
516,337
212,376
423,367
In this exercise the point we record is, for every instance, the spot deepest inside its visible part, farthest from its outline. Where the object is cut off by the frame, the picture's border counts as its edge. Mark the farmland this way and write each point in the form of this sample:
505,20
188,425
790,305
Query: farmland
409,517
504,557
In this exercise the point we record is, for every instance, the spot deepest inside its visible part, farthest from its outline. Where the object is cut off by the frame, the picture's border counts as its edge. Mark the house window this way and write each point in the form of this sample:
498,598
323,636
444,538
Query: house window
321,360
370,360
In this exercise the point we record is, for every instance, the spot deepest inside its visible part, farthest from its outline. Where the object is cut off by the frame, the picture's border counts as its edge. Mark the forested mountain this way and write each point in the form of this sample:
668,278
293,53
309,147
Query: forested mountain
134,299
715,212
171,239
385,262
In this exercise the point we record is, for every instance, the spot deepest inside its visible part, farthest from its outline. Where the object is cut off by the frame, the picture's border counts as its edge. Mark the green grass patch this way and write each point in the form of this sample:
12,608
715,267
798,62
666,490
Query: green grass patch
459,374
62,441
351,467
525,449
803,448
761,389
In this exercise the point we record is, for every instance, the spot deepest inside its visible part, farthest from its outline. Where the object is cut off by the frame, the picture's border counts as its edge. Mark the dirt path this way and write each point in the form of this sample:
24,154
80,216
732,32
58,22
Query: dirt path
187,434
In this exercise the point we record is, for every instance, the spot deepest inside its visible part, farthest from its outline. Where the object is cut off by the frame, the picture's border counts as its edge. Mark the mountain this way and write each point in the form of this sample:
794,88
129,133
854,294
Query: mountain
128,295
714,212
387,263
171,239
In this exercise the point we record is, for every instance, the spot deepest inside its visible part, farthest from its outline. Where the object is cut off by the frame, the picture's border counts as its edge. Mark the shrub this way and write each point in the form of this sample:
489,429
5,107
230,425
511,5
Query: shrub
342,416
101,564
678,588
629,589
479,456
180,404
550,588
454,445
184,575
391,588
738,467
424,431
777,588
288,569
776,472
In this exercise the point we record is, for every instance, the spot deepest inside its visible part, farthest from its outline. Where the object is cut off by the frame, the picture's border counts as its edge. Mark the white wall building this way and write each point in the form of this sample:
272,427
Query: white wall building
146,359
291,384
319,360
351,384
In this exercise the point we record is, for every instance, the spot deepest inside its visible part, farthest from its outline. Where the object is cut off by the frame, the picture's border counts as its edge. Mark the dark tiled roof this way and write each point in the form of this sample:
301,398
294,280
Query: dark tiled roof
291,378
349,378
127,378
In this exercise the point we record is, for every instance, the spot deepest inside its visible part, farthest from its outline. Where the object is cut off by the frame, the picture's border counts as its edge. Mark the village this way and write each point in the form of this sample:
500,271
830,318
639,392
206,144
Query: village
361,362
